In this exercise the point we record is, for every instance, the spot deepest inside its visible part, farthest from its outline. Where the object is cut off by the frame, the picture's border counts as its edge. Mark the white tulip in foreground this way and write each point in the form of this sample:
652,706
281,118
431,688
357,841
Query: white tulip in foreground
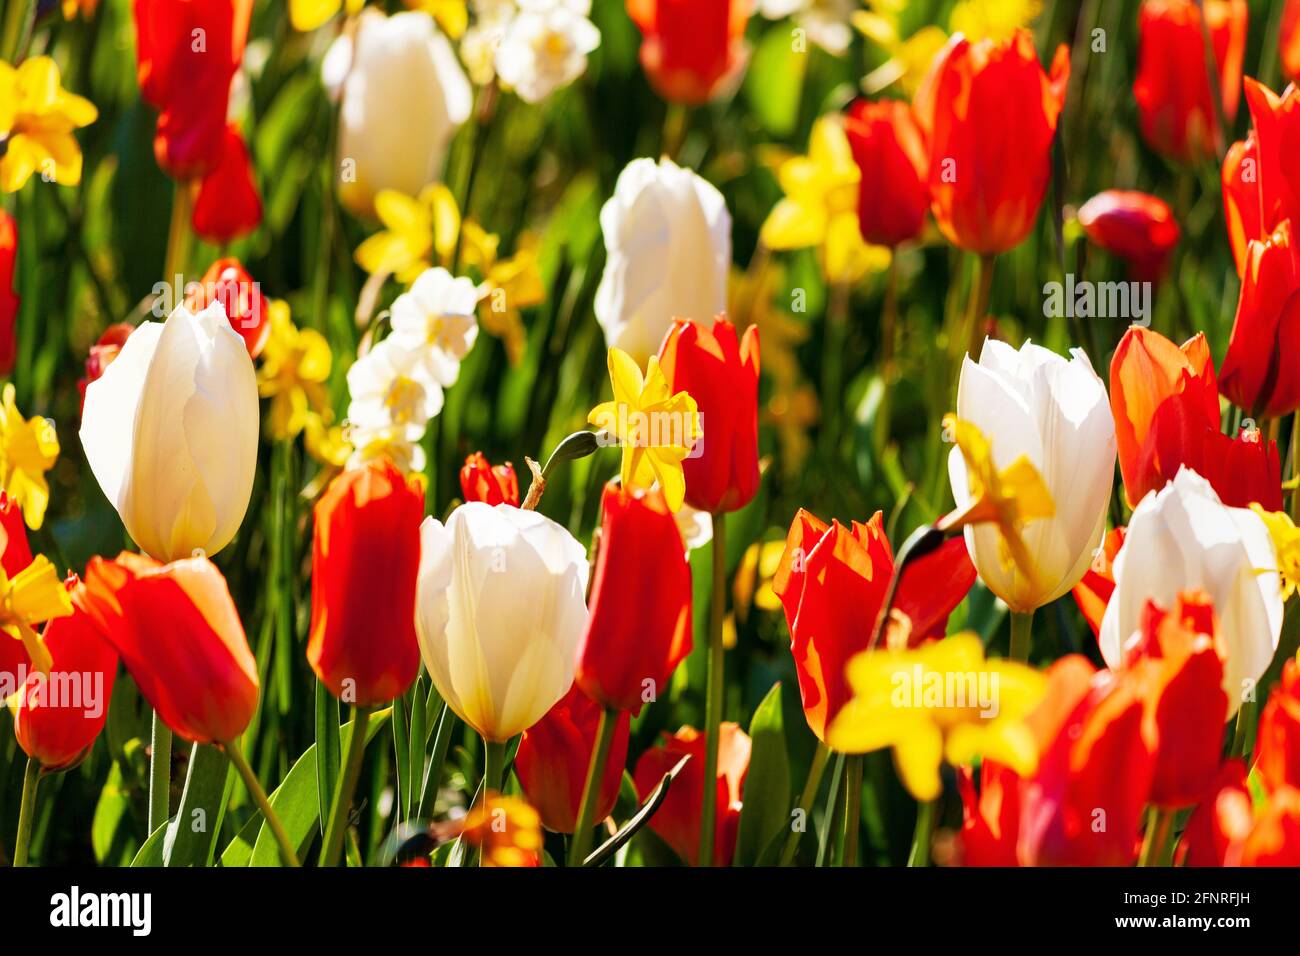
1183,538
667,252
1035,403
170,431
500,609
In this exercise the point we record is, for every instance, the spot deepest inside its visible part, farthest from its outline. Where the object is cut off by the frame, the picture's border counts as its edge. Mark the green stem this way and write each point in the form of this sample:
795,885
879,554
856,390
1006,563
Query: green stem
806,798
178,239
494,765
714,689
236,756
852,809
345,787
925,814
1022,636
27,811
888,335
160,774
1157,846
837,328
581,841
978,306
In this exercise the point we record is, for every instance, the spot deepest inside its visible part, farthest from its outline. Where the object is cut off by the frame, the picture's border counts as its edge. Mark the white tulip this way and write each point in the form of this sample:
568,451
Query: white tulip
404,96
170,432
500,610
1035,403
1183,538
667,254
435,321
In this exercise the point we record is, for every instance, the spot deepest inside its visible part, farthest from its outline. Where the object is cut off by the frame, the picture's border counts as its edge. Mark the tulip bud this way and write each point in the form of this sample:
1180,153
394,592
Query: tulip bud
480,480
228,205
180,637
365,559
977,98
1035,404
58,716
8,296
500,610
667,253
677,821
890,150
692,50
554,756
170,432
1136,227
228,282
722,376
1277,744
640,624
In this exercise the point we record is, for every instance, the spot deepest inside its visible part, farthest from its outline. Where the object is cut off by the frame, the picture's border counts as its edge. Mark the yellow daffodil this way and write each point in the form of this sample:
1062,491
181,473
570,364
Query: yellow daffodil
509,285
28,449
32,596
295,365
418,233
1286,540
452,15
655,428
37,117
307,15
1007,498
993,19
820,207
940,702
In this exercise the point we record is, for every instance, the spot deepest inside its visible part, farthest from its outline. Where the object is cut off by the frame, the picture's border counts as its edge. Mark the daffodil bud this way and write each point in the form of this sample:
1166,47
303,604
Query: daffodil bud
170,432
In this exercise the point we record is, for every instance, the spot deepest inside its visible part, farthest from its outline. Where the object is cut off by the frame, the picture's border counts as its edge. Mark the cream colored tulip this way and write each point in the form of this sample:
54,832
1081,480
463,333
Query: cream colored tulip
1054,411
500,609
1183,538
170,431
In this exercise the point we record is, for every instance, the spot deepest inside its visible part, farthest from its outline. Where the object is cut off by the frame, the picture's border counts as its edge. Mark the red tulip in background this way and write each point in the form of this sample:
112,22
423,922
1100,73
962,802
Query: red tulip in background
15,554
480,480
640,624
977,100
365,561
721,374
57,718
227,282
228,205
890,151
832,582
1176,109
1289,39
1261,182
8,295
188,52
1165,400
102,353
677,821
1277,743
692,50
1094,589
1137,227
554,755
179,635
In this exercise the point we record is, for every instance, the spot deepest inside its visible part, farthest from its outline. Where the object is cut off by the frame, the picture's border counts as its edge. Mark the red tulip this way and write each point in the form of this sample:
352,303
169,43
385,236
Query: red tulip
480,480
228,282
1241,197
692,50
1137,227
58,716
8,295
1243,471
1261,183
1277,743
15,554
188,52
1222,817
228,205
180,637
639,629
1289,39
1257,375
554,755
677,821
991,818
977,100
1176,108
722,376
890,151
365,562
832,583
102,353
1094,589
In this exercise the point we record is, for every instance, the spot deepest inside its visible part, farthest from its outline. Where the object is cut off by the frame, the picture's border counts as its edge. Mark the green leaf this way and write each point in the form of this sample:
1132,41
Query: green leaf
402,763
327,742
774,85
192,833
151,854
765,813
110,830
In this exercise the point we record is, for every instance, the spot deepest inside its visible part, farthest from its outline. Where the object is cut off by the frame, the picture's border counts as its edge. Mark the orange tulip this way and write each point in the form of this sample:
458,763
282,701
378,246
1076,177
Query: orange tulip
1277,744
554,755
480,480
677,821
365,562
639,629
1176,108
976,100
228,205
8,296
57,718
1137,227
721,374
1261,186
228,282
1289,39
1094,589
832,582
1274,840
889,148
692,50
178,632
991,817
